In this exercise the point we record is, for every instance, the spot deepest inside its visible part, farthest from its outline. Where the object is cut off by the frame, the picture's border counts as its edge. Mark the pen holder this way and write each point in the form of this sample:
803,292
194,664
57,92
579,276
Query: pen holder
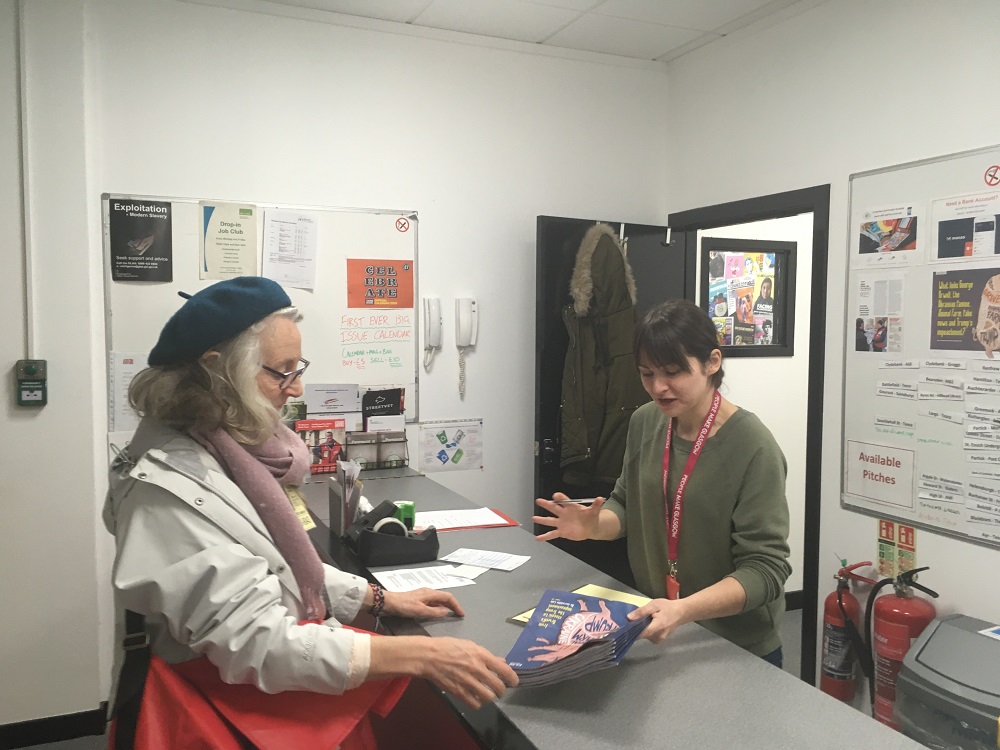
380,539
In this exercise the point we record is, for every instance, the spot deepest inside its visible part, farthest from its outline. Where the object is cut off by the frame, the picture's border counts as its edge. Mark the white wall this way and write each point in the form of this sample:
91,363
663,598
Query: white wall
49,634
168,98
847,86
776,388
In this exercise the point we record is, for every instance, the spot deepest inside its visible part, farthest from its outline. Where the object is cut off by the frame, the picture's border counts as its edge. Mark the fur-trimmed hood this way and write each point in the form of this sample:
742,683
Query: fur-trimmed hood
581,286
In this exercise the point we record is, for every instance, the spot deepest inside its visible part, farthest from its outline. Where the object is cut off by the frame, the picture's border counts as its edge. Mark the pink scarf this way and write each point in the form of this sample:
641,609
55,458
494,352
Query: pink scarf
261,471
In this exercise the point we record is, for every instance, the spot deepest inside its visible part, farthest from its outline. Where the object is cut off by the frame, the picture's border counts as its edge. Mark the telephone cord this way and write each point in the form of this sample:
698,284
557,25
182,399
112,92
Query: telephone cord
428,356
461,372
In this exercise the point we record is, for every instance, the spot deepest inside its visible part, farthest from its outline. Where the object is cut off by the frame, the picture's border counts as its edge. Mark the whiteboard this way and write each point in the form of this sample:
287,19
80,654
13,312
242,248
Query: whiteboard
371,346
921,412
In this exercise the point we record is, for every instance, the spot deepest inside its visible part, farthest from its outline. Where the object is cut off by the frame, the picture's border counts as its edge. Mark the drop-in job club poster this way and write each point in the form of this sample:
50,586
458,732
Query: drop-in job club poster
140,240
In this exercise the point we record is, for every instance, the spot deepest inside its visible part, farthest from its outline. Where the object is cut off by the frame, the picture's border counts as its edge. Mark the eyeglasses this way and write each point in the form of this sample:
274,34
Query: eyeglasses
287,378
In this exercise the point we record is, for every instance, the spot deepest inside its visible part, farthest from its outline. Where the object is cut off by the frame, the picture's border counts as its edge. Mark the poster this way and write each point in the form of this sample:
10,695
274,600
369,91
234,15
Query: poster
140,240
965,310
379,283
228,240
887,236
967,227
451,446
744,292
325,440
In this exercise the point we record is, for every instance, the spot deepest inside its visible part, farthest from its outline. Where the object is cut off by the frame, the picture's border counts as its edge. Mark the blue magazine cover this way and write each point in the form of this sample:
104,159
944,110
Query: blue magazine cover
572,634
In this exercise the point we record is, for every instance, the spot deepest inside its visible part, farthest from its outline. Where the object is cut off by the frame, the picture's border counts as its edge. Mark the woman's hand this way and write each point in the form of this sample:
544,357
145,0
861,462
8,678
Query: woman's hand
569,520
667,614
467,671
422,603
461,668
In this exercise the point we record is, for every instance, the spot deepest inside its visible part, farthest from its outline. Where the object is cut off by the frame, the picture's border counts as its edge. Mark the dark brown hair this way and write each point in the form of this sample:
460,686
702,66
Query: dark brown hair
673,331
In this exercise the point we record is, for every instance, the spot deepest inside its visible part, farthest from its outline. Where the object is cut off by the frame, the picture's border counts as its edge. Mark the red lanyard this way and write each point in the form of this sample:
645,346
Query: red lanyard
673,518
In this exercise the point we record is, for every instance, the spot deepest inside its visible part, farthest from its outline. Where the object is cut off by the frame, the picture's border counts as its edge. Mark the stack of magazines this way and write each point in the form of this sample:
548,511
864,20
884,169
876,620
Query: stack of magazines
570,635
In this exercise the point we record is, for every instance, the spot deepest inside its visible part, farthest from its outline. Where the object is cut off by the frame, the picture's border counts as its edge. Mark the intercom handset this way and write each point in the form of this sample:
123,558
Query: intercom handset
432,328
466,333
466,321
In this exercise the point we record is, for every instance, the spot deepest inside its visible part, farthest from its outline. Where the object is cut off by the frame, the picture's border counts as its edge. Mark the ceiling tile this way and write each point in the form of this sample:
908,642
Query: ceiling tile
386,10
506,19
580,5
619,36
704,15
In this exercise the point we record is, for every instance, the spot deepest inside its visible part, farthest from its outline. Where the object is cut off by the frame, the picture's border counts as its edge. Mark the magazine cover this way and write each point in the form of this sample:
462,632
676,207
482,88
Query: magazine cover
325,439
572,634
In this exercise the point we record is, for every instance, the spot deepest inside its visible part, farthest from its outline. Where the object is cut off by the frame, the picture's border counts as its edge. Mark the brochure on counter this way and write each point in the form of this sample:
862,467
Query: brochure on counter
570,635
589,590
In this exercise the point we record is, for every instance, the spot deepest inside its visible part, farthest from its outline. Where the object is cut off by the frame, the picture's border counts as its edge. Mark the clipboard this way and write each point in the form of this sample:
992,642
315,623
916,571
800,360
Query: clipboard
502,521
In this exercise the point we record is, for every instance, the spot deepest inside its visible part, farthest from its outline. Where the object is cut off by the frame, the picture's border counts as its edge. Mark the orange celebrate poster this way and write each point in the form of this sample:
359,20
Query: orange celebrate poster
379,283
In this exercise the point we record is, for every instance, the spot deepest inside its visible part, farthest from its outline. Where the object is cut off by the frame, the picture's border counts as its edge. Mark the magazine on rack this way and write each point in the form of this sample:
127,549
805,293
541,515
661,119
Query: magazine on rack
570,635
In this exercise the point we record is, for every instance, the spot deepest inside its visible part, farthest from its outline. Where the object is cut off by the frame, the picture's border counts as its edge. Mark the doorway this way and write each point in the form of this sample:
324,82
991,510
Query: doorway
745,218
662,270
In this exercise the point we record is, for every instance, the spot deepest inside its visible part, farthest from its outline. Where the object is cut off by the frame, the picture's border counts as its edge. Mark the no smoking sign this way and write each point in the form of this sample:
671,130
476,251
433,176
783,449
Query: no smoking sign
402,224
992,175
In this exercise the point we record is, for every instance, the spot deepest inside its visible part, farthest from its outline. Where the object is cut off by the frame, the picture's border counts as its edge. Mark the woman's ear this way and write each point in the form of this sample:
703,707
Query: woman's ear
714,362
210,356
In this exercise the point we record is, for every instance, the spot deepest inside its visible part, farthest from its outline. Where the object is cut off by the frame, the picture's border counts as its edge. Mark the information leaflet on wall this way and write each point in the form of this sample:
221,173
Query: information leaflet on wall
228,240
122,367
451,446
290,242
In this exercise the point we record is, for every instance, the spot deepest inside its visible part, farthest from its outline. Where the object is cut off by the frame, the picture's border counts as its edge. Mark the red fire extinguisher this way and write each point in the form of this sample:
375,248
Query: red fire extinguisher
842,641
898,619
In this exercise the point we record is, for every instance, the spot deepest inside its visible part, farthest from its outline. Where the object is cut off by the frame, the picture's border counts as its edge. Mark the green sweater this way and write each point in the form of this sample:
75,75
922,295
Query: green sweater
735,519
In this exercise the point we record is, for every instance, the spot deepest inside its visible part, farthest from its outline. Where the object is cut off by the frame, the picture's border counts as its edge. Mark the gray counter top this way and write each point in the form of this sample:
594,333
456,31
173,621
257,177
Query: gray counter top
695,690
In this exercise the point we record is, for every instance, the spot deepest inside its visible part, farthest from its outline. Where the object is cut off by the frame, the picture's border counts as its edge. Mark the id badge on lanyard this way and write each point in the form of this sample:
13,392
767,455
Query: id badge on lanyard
673,515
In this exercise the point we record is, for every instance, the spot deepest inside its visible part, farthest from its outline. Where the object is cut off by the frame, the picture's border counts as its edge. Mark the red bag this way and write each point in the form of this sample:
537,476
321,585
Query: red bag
189,706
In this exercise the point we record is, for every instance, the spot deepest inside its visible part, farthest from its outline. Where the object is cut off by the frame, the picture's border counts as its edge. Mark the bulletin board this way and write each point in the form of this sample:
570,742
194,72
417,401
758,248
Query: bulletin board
359,321
921,407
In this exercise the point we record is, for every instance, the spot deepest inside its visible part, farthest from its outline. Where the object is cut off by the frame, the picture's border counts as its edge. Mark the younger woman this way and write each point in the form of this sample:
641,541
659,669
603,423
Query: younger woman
714,547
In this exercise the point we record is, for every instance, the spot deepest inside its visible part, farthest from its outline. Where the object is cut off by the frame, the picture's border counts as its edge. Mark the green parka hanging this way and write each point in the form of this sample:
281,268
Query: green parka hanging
601,387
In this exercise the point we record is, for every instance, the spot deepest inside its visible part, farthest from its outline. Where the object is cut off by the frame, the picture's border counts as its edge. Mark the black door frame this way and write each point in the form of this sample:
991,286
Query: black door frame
779,205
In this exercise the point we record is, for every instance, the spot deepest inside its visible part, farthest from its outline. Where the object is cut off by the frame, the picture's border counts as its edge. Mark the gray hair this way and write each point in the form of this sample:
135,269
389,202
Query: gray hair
213,392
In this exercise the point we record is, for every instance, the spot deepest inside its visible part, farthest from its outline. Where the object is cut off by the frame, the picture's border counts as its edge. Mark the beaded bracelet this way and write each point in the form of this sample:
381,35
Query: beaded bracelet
379,604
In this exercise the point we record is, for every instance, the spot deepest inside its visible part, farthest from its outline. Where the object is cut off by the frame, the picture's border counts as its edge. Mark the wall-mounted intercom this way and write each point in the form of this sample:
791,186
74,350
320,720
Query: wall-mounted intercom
466,333
466,321
432,329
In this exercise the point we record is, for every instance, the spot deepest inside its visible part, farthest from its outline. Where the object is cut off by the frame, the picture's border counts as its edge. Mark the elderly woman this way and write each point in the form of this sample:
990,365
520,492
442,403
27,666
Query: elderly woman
209,548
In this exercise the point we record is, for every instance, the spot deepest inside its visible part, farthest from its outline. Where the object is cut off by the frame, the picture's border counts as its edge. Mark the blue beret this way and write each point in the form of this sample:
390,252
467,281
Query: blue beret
215,314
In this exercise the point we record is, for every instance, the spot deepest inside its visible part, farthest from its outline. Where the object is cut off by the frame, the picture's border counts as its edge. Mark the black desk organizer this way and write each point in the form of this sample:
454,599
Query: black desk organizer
378,548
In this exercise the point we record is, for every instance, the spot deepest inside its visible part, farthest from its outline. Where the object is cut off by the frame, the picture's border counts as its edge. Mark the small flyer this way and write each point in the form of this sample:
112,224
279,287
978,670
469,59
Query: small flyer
887,236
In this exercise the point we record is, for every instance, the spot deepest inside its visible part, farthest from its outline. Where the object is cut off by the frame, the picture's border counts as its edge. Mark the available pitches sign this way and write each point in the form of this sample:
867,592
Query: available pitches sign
880,473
